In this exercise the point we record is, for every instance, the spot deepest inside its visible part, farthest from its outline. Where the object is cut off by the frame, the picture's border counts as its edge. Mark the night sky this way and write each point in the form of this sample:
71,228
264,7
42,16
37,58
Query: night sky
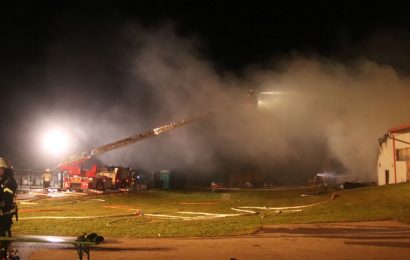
103,70
233,35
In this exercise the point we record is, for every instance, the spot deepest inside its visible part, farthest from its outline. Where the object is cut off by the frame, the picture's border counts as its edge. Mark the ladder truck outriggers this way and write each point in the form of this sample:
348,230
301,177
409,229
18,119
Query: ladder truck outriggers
75,177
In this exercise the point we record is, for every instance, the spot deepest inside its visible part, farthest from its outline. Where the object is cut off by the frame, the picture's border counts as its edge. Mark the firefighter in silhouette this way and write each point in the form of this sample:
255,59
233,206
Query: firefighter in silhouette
8,208
251,99
46,179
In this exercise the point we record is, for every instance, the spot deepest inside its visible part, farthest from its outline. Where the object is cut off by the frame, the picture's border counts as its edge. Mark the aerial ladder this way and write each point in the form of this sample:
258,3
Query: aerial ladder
77,178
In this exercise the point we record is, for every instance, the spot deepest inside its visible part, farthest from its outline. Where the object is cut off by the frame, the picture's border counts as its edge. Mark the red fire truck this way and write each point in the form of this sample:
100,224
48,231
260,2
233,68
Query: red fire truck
76,177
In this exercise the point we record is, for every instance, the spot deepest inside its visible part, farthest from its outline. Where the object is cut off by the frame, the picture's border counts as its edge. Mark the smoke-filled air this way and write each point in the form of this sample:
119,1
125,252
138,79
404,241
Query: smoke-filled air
314,113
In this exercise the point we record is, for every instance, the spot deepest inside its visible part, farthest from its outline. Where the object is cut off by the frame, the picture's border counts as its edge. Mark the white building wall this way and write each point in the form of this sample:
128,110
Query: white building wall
401,170
385,161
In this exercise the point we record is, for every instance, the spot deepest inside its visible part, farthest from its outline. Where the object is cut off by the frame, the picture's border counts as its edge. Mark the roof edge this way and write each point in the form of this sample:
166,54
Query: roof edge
400,128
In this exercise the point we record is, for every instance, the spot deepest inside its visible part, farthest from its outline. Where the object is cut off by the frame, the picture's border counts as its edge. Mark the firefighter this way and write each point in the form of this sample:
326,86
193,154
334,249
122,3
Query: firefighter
46,179
251,99
8,208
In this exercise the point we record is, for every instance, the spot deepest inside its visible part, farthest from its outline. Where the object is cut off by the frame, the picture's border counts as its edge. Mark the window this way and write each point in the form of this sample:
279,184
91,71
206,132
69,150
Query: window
403,154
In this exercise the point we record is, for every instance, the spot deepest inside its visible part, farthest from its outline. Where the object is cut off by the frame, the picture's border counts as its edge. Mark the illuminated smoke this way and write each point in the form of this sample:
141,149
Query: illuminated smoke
347,106
312,109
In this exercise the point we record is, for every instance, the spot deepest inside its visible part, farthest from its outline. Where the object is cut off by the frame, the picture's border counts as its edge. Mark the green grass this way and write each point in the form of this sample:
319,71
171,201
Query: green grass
390,202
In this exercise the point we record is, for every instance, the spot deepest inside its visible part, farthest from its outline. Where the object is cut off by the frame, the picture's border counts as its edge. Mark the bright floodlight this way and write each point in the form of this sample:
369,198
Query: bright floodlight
55,142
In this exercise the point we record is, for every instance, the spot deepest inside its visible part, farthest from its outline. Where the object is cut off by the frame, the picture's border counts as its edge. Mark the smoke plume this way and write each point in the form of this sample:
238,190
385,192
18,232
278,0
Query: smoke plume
312,109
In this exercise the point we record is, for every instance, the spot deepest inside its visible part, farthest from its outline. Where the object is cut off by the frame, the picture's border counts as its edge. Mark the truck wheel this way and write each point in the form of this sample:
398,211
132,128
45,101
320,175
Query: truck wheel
100,185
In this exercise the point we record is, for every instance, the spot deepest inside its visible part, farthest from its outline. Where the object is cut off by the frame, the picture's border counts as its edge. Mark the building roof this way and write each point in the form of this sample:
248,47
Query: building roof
400,129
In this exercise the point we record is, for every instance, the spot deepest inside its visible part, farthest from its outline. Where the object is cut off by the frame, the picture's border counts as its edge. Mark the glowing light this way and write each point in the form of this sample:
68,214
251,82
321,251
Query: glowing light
55,141
271,93
54,239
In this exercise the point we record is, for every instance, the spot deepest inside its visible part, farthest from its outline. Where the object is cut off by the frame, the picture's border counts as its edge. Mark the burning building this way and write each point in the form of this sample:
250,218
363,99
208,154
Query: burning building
393,162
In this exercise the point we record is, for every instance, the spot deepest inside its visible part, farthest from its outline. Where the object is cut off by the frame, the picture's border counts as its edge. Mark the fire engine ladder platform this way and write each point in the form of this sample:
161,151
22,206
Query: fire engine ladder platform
80,246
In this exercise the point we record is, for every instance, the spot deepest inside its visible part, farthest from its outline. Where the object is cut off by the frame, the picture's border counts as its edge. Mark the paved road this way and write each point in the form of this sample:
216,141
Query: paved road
368,240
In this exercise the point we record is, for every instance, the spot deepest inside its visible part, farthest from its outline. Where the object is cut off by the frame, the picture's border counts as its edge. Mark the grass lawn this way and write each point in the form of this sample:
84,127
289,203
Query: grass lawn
165,212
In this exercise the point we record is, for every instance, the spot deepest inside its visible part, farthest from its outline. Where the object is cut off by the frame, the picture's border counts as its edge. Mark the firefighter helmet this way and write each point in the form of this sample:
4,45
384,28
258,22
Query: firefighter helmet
5,163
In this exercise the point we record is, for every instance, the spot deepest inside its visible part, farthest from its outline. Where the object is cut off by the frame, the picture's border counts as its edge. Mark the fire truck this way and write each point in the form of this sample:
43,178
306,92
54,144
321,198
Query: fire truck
77,177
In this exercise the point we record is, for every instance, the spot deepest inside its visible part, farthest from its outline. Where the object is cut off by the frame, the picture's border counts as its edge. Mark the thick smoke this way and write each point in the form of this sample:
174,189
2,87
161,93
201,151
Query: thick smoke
312,109
347,106
319,110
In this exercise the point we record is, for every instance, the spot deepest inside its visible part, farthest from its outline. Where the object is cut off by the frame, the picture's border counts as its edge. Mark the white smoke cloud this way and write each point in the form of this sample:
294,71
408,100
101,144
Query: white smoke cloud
345,107
321,107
